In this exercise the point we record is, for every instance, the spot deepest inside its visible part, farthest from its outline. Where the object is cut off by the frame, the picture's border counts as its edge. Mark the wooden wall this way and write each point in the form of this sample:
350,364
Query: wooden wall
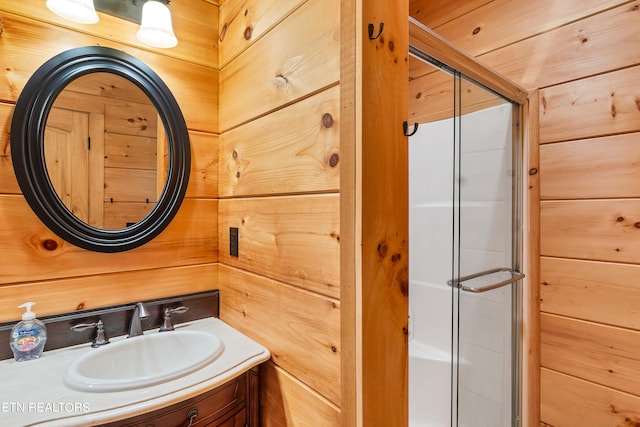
60,277
310,131
279,184
585,58
264,100
383,220
267,161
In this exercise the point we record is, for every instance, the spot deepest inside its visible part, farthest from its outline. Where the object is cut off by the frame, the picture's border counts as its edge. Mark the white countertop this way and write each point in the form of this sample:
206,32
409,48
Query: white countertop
32,393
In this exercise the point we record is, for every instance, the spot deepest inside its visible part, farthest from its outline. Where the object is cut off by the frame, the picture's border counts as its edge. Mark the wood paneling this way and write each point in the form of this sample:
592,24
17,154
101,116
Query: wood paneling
601,105
382,173
572,402
596,168
296,149
26,44
118,186
531,264
350,275
62,295
283,66
435,13
280,122
301,329
599,353
111,88
131,151
288,402
589,290
139,120
500,23
8,182
599,167
543,42
242,22
608,39
31,252
292,239
605,230
197,95
97,91
195,24
288,271
203,180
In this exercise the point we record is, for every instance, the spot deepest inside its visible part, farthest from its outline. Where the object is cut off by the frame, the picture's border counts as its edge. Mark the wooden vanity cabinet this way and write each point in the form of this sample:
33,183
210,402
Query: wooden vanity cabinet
233,404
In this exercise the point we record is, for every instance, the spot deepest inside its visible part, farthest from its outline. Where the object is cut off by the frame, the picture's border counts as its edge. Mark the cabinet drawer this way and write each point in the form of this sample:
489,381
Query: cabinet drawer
204,408
239,419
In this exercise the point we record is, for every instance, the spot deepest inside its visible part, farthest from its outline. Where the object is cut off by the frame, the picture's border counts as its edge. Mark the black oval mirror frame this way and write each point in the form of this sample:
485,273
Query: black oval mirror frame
27,147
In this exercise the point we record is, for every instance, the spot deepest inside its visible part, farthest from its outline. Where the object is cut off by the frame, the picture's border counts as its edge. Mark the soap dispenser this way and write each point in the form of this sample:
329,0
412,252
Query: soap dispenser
28,336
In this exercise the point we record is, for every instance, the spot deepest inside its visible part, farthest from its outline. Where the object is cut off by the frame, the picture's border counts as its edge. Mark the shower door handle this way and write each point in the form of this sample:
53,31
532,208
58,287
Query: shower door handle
458,283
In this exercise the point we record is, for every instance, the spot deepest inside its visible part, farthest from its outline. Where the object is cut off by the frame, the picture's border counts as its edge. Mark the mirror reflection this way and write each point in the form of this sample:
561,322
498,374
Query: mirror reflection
105,151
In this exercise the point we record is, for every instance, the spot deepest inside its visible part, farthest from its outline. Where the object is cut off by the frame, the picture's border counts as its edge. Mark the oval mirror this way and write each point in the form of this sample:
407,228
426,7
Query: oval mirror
100,149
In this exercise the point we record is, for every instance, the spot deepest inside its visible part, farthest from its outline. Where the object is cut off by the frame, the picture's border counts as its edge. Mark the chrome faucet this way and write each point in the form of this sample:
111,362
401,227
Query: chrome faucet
139,312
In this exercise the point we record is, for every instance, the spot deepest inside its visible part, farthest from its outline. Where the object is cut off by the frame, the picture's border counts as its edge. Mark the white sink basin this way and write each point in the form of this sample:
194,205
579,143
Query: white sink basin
143,361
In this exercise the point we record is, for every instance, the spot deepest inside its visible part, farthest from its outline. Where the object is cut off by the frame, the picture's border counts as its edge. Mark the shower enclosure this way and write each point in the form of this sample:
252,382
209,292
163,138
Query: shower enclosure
464,251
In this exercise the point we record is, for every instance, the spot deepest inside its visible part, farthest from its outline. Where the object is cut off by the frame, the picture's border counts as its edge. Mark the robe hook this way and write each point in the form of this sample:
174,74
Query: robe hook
372,27
405,129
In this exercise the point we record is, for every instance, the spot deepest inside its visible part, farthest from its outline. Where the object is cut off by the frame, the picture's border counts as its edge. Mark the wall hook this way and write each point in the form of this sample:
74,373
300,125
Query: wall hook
405,129
372,28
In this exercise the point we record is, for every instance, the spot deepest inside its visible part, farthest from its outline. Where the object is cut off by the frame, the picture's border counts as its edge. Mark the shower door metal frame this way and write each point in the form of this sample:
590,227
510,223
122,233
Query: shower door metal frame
423,39
424,44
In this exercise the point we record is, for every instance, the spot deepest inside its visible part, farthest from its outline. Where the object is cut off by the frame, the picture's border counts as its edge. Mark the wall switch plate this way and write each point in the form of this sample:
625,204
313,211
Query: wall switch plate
233,241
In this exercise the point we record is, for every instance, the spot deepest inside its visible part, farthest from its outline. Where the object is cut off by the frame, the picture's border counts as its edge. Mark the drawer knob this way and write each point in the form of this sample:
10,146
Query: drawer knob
191,416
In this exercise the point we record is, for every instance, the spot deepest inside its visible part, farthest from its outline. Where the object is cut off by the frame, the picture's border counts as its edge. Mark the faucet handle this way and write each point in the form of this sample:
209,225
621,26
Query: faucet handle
101,336
166,324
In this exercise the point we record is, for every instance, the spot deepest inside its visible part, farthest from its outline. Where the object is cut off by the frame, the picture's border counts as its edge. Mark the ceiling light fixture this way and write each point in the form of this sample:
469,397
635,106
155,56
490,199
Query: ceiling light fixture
153,16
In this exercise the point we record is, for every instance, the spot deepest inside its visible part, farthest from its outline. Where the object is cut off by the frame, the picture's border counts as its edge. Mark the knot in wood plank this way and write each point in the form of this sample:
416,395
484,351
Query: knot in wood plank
382,249
334,160
281,81
247,33
327,120
50,244
223,32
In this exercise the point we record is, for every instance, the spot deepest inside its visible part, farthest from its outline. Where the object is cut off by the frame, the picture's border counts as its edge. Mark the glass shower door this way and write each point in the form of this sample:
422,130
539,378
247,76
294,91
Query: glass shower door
485,300
463,252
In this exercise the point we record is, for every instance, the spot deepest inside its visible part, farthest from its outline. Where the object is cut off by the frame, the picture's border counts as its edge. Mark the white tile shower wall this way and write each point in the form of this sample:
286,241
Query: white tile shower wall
485,242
